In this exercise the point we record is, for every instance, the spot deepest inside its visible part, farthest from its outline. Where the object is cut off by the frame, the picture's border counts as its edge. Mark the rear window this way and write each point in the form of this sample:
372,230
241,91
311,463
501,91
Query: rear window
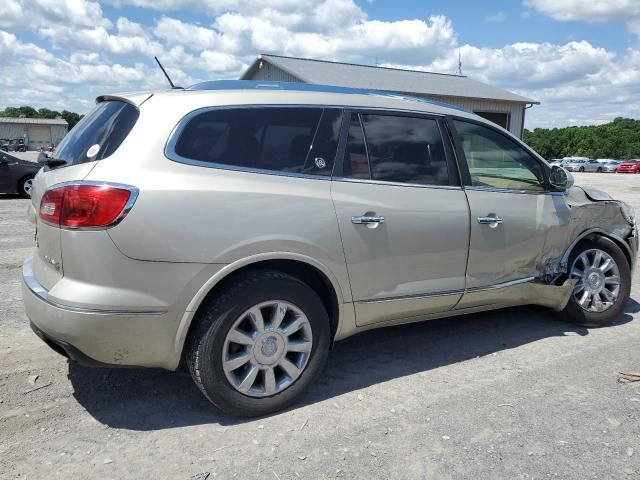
99,134
296,140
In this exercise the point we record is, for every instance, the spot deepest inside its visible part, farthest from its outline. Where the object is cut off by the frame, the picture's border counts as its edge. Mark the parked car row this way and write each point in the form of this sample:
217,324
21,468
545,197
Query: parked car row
576,164
13,145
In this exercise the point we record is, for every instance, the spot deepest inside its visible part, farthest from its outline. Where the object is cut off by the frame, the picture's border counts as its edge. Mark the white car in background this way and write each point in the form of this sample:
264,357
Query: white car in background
582,165
610,166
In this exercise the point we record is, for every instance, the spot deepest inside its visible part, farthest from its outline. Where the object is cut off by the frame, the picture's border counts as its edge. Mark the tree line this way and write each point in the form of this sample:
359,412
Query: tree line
619,140
29,112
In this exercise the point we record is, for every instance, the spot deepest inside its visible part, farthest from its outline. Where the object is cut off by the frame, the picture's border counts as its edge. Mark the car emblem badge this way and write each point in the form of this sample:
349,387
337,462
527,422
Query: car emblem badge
269,347
320,162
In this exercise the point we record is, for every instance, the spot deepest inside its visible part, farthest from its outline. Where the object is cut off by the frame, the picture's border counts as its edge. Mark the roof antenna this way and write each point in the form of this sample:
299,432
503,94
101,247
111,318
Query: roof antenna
167,75
458,72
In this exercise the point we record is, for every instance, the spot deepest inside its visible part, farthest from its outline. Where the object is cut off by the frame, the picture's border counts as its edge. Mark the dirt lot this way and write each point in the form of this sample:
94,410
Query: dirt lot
513,394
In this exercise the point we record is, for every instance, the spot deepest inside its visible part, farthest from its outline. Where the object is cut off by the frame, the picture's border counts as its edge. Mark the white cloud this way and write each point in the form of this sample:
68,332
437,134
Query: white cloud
36,13
529,65
177,32
586,10
234,33
130,39
13,49
592,11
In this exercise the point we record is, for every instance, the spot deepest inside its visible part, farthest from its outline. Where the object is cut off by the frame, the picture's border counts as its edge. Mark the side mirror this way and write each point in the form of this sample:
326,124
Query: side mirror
560,179
42,158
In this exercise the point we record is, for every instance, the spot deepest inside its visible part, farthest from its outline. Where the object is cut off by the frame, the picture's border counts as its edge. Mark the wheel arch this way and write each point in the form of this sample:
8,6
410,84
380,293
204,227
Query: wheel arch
598,232
22,179
306,269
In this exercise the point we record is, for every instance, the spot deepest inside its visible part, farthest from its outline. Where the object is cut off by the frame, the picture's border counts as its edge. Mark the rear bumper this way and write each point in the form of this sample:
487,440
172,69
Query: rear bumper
99,337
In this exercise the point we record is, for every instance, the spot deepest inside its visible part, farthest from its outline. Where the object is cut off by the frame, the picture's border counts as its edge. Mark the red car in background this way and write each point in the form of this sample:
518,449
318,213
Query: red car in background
629,166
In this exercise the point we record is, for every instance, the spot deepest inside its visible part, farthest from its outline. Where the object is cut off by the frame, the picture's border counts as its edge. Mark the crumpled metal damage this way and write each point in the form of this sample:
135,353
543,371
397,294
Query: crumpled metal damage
590,212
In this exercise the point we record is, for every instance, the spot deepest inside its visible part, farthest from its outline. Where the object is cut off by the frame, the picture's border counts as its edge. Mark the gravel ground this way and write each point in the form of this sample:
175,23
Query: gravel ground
513,394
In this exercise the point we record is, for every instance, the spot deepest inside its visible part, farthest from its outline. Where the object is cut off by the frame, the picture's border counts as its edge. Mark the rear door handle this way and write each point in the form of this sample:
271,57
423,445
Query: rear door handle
367,220
491,219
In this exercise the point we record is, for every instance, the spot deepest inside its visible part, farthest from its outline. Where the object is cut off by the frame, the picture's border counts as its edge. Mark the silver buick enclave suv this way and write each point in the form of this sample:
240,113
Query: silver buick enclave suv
240,228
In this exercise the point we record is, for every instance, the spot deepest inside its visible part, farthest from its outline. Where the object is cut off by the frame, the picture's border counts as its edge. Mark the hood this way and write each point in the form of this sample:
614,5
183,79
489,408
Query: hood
595,194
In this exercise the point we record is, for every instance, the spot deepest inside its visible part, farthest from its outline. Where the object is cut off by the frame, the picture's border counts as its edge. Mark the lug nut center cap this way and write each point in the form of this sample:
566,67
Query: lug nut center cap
269,347
594,280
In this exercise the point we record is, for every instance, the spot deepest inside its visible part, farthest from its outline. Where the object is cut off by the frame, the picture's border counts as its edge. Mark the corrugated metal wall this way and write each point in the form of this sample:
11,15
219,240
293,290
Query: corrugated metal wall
515,110
12,130
57,133
274,74
17,130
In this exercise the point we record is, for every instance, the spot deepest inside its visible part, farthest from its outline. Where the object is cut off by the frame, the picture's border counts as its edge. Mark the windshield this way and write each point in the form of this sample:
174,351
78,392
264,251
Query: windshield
98,134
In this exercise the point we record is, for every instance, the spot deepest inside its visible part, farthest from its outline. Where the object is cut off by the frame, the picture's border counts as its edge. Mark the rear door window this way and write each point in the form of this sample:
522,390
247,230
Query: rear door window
296,140
399,149
99,134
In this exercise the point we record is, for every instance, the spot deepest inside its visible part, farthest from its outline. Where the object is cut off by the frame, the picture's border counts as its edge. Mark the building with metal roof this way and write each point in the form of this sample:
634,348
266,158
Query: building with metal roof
35,132
500,106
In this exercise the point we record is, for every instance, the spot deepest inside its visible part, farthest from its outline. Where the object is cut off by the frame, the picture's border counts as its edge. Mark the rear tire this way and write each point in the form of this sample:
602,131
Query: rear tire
590,313
25,187
599,170
211,348
581,169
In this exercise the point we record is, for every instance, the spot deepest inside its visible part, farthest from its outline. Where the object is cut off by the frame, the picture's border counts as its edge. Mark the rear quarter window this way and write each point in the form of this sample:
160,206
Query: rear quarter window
99,134
280,139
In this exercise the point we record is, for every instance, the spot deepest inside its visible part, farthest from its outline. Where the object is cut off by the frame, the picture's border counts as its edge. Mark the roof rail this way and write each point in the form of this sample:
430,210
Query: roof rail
310,87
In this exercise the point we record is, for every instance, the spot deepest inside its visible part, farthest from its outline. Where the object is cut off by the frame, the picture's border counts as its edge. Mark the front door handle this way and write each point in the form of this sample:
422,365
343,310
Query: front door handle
367,220
491,219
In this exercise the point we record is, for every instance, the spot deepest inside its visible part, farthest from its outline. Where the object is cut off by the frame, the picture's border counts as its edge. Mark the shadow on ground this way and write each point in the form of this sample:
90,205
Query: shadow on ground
140,399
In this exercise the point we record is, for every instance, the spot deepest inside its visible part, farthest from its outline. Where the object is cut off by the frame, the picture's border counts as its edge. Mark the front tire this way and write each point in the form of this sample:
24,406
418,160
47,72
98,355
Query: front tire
581,169
25,187
256,346
604,283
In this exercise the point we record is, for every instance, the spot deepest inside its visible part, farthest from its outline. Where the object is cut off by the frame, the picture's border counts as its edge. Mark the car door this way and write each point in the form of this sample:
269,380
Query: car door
403,216
514,216
7,176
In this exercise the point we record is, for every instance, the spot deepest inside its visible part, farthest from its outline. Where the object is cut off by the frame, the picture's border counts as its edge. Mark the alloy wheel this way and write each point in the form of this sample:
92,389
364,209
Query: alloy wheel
27,187
267,348
598,276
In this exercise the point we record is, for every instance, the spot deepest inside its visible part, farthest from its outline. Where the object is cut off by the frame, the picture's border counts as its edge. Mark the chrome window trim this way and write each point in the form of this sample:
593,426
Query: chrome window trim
396,184
97,183
509,190
170,146
42,293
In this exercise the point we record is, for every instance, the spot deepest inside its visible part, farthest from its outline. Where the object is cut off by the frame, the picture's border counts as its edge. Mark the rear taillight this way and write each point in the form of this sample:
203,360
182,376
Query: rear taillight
86,205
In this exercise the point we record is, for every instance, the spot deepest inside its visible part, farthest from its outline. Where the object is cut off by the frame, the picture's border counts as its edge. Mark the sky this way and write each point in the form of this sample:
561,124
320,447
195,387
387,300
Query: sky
579,58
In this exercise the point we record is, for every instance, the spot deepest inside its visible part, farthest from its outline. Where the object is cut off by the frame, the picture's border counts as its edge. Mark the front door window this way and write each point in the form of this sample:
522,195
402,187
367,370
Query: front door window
497,161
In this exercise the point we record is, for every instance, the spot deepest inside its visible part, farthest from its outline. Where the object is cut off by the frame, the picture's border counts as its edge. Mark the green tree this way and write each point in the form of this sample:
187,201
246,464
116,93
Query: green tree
71,117
46,113
28,112
619,139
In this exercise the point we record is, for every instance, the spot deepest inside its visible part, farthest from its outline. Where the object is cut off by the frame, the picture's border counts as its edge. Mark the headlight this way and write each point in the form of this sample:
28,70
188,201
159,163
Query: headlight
628,213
